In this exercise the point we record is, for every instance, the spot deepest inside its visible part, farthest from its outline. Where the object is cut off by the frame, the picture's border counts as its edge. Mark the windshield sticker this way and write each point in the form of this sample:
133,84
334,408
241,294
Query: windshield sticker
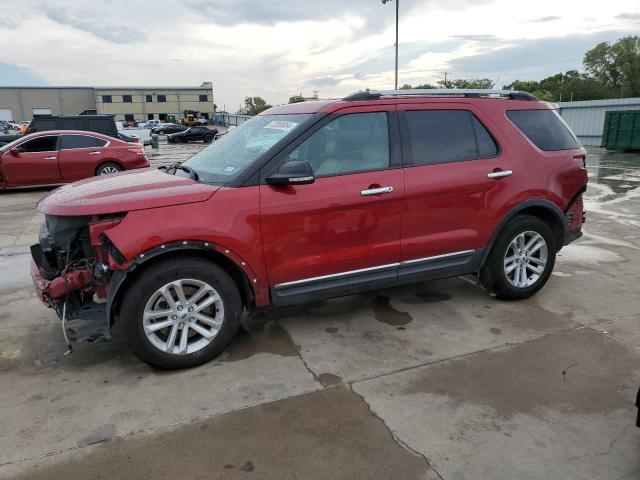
229,169
281,125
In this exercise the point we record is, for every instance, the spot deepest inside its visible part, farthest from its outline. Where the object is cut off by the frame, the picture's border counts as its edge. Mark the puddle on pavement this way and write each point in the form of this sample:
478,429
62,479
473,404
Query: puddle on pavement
267,337
385,313
329,379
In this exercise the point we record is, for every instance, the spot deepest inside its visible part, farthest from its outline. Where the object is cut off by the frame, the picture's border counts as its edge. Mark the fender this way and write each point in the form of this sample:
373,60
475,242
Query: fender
546,204
120,276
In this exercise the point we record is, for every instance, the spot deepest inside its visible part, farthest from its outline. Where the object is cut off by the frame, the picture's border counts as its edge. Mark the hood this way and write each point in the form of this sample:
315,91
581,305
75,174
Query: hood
123,192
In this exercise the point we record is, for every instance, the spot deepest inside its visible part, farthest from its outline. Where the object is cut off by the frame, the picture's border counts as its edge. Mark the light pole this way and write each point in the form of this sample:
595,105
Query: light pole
397,14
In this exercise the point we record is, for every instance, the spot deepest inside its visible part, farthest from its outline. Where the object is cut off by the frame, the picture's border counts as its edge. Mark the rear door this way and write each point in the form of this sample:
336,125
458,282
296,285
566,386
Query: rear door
341,233
456,177
35,164
80,155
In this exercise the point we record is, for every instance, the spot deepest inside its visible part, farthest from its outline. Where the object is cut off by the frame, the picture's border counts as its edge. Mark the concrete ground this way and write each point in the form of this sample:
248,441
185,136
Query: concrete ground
432,381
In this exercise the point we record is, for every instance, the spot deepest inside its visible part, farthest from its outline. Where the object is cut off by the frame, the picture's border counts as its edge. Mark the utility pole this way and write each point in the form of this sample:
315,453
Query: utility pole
445,79
397,17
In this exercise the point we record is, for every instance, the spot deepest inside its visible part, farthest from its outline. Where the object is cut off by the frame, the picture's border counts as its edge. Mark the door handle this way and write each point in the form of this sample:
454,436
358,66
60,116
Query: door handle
94,153
50,158
500,173
376,191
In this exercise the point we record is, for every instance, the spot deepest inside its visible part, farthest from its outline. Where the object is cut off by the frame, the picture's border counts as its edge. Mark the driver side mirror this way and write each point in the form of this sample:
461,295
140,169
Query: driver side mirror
292,173
15,151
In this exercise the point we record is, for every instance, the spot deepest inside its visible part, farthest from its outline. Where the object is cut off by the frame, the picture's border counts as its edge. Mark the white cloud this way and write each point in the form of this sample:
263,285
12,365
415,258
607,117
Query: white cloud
281,47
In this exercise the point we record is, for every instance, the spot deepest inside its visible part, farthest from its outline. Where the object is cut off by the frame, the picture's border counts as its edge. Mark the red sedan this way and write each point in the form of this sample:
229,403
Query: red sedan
62,156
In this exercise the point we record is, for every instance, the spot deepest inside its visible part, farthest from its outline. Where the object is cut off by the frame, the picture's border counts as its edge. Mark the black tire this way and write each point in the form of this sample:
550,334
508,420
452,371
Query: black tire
492,274
208,138
161,132
106,167
178,140
148,282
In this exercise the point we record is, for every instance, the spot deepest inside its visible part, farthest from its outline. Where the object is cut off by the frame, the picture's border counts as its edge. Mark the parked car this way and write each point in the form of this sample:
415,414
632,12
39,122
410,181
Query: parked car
203,134
104,124
59,156
150,124
309,201
169,128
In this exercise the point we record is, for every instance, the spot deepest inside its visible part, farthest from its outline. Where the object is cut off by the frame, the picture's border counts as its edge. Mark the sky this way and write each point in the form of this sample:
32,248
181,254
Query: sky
279,48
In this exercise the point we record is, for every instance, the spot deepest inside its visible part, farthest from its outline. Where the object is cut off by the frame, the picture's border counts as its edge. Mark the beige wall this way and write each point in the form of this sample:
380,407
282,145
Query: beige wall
61,101
177,100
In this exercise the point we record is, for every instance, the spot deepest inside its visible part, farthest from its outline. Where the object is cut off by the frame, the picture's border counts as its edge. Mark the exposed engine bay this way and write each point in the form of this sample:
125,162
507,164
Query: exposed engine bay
71,272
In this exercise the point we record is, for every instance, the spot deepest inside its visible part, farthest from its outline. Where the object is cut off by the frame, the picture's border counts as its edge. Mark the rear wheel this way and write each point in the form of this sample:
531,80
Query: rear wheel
178,140
521,259
107,168
181,313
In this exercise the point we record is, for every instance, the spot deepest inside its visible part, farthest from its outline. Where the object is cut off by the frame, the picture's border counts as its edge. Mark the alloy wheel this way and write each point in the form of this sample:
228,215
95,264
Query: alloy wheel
108,169
183,316
525,259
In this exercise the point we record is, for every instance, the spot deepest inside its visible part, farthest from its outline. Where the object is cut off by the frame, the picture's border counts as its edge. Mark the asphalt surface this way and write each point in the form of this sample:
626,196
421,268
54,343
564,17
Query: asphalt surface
436,380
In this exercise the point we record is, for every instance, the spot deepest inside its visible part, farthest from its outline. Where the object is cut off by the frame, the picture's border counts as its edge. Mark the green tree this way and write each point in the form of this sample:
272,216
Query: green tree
485,83
616,66
254,105
407,86
296,99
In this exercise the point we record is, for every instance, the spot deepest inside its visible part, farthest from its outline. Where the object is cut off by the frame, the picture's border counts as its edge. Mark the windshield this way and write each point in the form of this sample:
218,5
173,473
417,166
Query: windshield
227,157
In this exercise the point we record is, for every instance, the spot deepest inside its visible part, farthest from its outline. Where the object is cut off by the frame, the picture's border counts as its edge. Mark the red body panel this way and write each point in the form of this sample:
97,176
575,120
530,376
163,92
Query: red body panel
229,221
122,192
66,165
328,226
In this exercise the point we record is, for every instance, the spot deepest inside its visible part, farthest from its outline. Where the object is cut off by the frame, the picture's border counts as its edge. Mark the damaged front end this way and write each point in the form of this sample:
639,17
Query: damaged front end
71,268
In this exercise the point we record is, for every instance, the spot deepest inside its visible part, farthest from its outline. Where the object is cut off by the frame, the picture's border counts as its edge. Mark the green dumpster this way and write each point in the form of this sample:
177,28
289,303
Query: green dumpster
621,130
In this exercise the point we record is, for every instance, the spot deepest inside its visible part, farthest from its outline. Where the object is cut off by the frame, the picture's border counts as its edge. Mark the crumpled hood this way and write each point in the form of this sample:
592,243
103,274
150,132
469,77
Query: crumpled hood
123,192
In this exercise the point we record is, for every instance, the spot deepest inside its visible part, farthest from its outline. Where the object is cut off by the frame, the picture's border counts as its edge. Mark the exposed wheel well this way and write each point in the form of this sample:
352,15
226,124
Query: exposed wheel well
240,279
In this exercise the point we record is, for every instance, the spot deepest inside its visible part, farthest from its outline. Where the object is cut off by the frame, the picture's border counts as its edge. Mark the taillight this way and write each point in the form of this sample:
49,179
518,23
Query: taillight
138,152
582,159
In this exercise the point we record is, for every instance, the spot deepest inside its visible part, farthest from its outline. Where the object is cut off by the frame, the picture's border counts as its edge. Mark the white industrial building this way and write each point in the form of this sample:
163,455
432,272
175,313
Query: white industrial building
586,118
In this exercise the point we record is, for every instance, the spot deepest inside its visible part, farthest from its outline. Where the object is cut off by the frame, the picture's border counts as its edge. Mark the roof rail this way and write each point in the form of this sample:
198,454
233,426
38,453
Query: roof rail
443,92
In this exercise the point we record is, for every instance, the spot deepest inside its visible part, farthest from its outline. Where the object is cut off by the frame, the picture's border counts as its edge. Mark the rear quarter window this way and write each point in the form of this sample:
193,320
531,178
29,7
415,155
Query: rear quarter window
544,128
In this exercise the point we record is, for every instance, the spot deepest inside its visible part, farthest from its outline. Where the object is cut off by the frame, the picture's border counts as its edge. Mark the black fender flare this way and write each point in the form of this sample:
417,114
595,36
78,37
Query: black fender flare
119,277
546,204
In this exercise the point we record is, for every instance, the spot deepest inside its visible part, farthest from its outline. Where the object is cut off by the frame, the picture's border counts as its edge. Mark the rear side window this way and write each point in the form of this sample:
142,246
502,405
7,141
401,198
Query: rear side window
42,125
71,124
80,141
442,136
101,125
544,128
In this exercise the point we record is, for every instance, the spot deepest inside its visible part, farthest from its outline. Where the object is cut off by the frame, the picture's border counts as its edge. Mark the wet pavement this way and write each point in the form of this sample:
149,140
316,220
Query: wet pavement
434,380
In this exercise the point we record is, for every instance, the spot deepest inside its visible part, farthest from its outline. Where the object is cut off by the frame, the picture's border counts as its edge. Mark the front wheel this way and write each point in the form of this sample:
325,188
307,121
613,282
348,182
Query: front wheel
521,259
208,138
181,313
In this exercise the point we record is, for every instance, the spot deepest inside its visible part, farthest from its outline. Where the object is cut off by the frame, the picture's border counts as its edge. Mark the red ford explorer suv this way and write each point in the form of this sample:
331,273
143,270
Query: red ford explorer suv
309,201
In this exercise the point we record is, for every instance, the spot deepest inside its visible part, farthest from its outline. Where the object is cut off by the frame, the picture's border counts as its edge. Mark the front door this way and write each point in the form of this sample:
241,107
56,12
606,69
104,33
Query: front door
35,162
457,177
340,234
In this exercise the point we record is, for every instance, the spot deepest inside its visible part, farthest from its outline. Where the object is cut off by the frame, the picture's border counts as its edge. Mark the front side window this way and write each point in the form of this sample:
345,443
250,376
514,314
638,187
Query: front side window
68,142
228,157
442,136
544,128
40,144
351,143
